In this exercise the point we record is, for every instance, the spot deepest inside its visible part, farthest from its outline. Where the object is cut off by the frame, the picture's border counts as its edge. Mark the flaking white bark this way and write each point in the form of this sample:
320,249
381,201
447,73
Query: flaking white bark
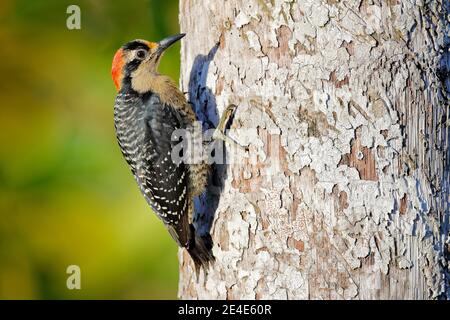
345,194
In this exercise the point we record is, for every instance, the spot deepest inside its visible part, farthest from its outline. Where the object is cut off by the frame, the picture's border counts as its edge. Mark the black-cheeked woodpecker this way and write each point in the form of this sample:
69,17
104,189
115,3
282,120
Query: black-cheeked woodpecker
148,108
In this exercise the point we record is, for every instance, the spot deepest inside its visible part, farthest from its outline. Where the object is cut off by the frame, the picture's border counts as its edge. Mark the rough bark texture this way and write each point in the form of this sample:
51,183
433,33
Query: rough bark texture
345,193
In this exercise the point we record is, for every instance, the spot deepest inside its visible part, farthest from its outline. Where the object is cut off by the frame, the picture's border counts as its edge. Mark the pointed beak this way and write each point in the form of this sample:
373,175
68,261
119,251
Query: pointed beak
167,42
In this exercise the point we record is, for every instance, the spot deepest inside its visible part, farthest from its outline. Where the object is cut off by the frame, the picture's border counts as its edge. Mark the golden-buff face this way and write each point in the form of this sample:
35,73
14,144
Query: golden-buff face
146,74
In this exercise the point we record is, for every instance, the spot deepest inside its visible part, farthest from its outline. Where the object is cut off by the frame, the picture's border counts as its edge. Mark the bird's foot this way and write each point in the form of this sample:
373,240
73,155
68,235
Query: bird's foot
219,133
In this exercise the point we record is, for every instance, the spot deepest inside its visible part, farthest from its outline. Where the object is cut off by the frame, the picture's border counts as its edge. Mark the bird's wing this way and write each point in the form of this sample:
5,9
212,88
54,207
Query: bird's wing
165,183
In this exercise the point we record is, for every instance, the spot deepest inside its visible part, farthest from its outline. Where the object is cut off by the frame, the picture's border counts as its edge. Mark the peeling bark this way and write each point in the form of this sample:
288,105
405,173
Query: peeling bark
344,106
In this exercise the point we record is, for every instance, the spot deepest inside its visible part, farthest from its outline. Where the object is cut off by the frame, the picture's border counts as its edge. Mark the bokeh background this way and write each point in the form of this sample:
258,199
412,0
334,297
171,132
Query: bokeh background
66,195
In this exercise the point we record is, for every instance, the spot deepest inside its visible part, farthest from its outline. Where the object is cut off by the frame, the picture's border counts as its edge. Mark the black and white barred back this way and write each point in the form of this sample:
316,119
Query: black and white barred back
144,129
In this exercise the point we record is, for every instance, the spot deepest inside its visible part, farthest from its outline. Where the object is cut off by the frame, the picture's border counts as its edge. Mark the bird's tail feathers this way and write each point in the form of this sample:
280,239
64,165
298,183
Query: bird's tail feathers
199,248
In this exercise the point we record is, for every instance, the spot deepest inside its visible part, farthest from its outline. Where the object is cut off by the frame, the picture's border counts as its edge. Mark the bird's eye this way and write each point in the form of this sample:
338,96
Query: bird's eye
141,54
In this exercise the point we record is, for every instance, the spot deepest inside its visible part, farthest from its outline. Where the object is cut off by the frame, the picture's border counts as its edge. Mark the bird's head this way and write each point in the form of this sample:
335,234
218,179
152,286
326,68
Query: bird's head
136,62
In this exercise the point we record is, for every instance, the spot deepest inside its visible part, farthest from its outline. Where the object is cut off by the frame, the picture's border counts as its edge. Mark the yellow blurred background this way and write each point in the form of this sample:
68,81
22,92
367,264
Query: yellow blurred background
66,195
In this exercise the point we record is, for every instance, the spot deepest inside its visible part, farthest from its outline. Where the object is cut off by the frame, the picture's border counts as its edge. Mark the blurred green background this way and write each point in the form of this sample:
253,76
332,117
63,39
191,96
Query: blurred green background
66,195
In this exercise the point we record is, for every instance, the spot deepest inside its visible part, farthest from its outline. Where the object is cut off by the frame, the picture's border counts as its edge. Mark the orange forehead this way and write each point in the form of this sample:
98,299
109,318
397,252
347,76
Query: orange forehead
117,66
151,45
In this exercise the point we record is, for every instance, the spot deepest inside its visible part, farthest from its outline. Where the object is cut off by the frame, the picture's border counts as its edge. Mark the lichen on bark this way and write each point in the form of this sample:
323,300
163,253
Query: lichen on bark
344,106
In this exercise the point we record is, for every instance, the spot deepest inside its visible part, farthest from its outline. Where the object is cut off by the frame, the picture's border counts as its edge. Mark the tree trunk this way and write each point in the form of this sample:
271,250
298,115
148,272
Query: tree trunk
344,106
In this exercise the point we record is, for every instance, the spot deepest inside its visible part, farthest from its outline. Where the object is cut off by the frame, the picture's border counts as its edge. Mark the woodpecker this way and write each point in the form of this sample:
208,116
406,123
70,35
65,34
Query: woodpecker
148,109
